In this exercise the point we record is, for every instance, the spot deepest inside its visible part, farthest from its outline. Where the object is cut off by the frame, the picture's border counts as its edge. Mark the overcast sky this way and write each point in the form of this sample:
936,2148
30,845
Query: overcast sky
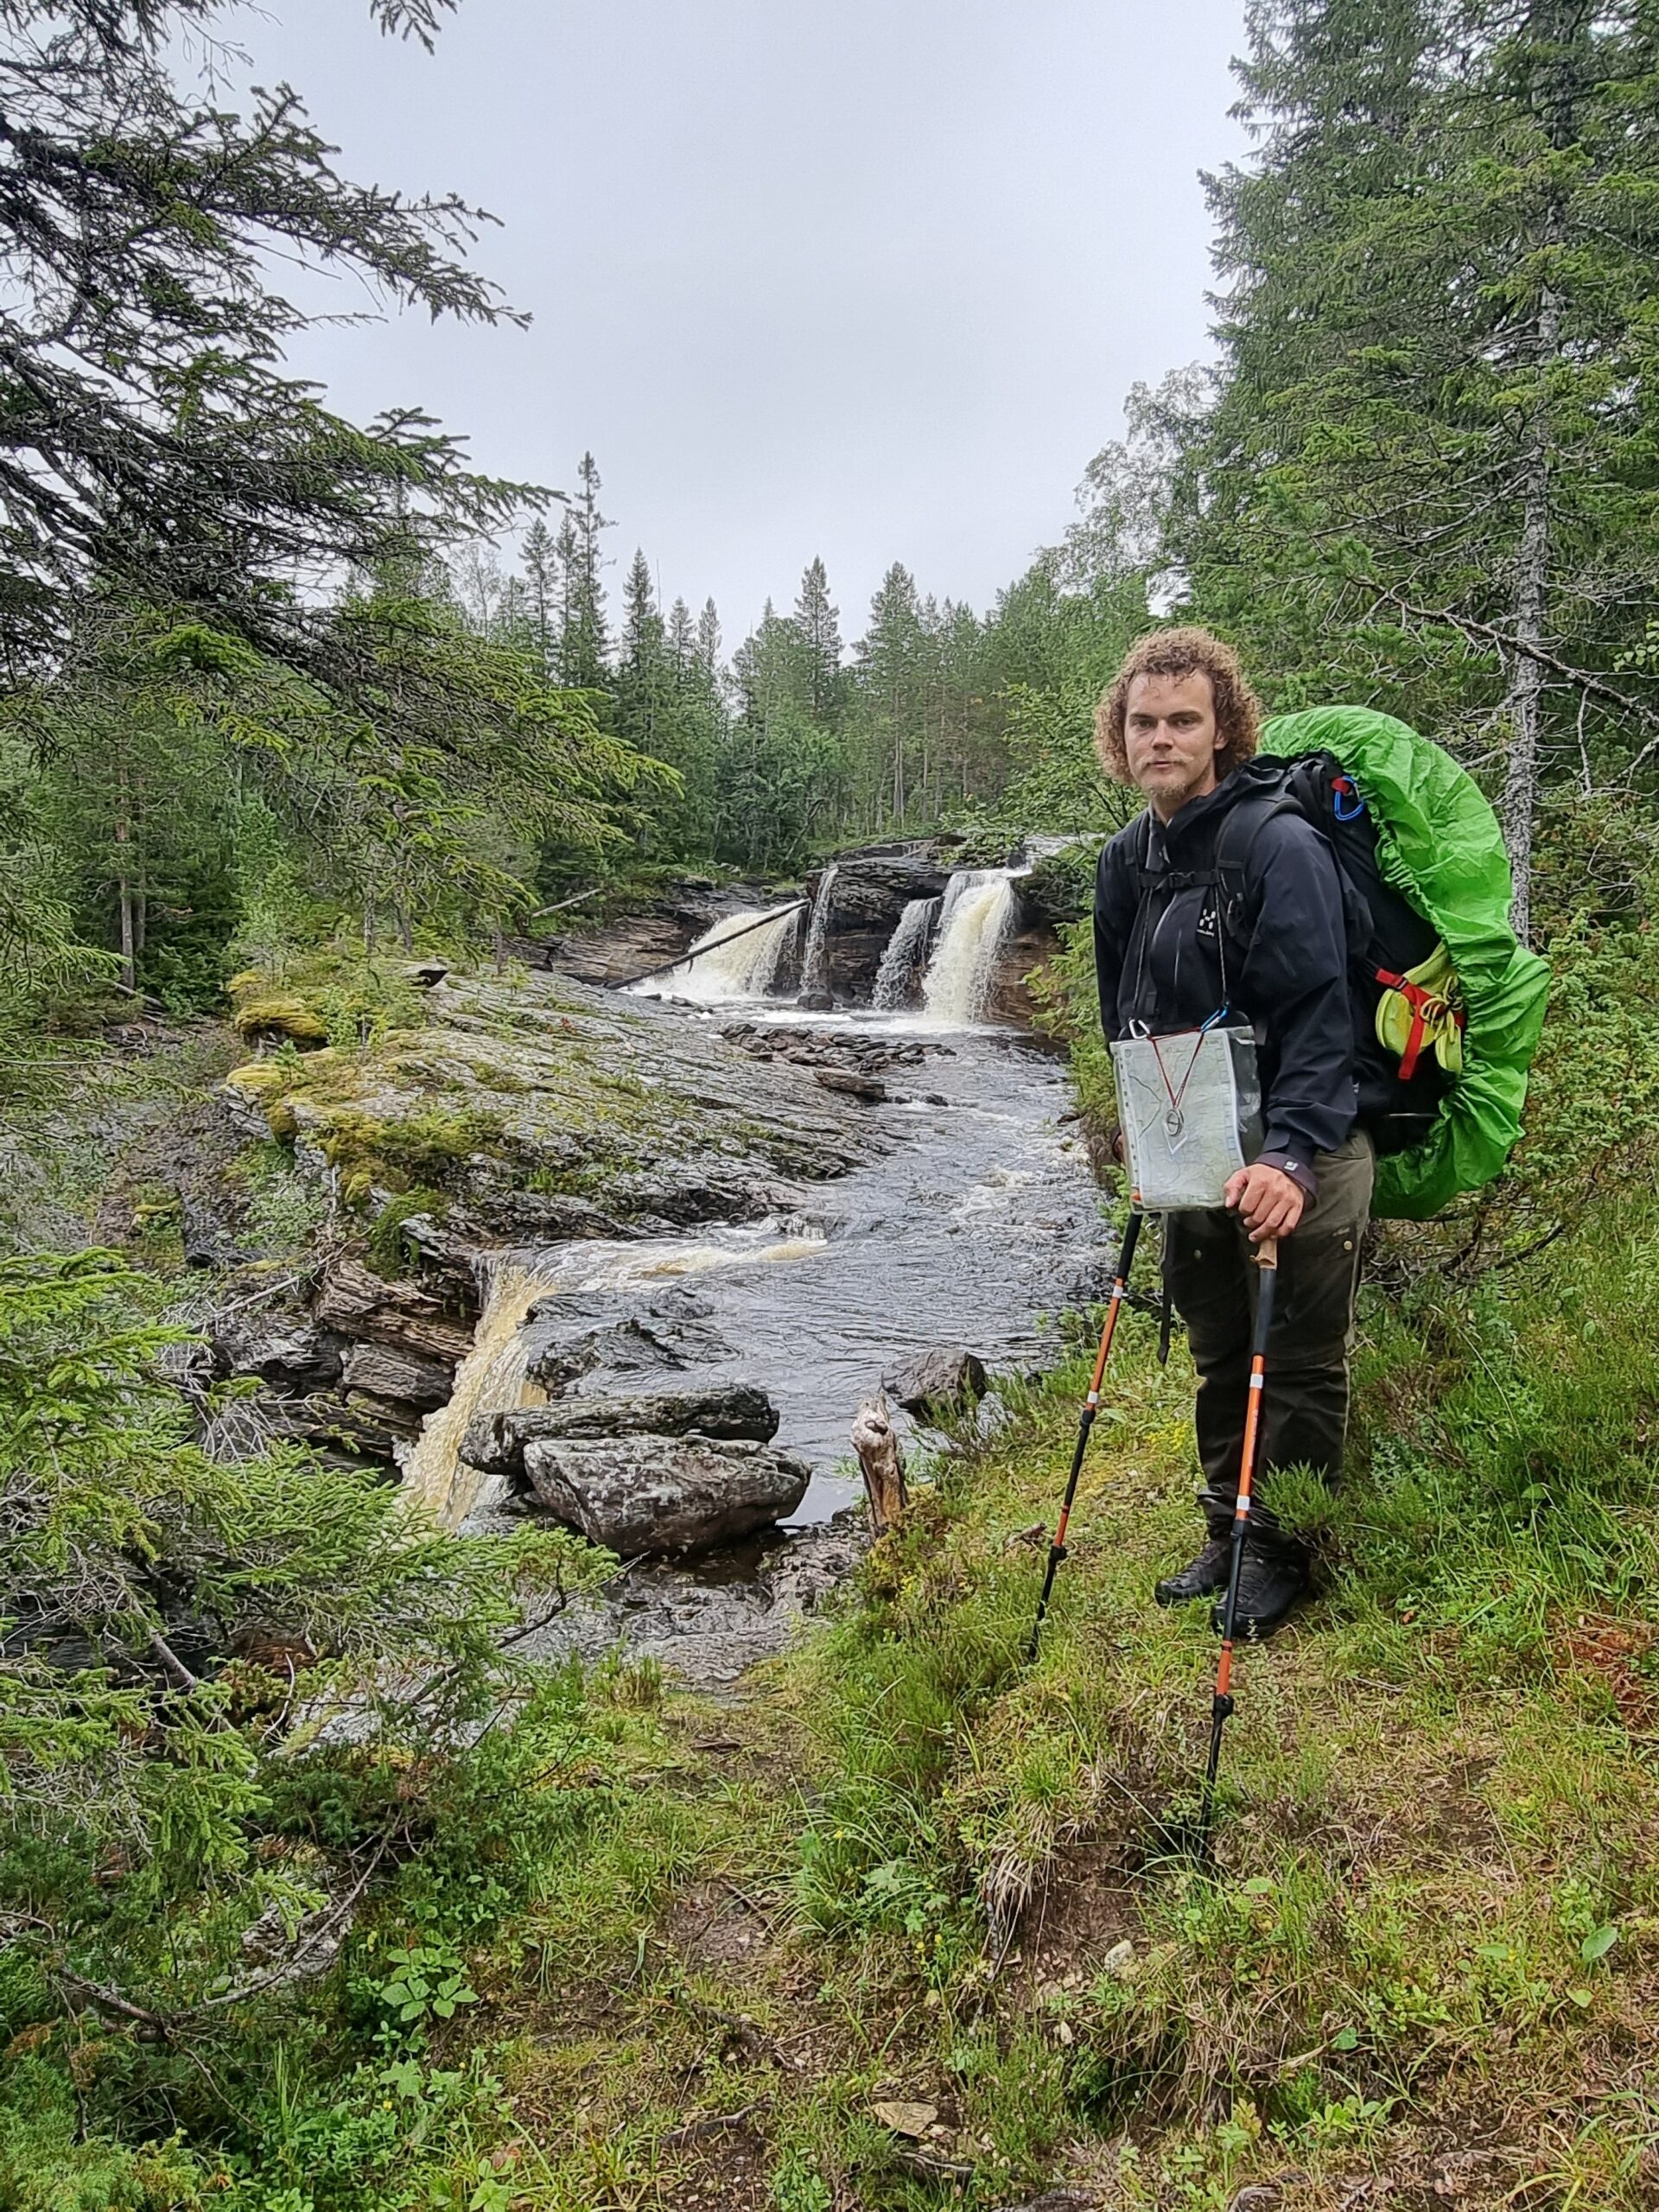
868,278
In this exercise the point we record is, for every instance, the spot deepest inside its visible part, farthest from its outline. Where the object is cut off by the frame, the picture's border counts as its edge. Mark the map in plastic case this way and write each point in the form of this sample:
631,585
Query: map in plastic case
1190,1110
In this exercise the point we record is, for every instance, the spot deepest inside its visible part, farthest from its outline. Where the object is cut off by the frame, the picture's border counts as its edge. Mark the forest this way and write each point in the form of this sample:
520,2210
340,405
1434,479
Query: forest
316,1894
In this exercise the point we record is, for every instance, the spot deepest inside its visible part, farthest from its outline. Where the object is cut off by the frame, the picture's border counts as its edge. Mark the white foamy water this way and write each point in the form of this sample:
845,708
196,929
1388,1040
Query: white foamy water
897,974
748,949
817,932
975,918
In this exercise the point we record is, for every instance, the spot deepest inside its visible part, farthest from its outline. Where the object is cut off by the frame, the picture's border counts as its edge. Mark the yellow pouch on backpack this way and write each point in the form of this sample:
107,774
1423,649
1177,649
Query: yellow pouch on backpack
1422,1009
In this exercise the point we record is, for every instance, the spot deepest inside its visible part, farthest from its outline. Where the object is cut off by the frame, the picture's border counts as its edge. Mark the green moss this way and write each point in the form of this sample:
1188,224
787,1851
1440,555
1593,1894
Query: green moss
390,1253
400,1155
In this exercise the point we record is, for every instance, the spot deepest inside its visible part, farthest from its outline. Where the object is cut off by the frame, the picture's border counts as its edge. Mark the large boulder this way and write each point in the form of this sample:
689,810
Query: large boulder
495,1442
654,1496
938,1379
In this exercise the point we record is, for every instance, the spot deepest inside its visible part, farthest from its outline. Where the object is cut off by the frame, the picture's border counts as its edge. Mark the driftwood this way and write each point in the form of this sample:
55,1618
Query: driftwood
882,1462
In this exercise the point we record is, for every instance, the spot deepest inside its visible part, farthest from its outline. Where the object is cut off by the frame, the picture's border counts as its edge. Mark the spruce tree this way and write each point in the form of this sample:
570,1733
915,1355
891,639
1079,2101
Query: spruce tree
1426,480
541,580
819,623
585,645
892,685
149,434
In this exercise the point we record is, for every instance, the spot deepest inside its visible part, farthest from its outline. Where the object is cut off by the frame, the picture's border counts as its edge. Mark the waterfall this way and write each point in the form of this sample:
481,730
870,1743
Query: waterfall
491,1379
746,968
812,963
974,922
896,977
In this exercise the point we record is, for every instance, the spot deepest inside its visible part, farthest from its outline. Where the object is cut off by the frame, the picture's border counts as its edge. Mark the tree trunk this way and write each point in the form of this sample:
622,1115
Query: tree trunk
1558,28
882,1462
1531,605
124,877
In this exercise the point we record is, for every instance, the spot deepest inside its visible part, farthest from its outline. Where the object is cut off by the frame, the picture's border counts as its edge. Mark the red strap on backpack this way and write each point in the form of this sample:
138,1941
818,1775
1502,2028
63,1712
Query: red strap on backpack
1419,1000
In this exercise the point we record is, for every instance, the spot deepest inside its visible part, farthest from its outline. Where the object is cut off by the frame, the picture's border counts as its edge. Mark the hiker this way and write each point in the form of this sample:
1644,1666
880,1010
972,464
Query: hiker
1181,722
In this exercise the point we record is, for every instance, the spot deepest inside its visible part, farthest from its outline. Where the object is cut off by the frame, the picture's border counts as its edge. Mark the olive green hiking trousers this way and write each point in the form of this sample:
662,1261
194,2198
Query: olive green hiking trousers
1213,1283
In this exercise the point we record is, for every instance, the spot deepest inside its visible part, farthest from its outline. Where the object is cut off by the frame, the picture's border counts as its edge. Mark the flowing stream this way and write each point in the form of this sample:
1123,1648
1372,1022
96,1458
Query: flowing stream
966,1232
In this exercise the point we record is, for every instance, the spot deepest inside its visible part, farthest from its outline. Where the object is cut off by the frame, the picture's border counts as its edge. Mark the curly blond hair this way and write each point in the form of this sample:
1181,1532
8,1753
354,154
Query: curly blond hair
1182,652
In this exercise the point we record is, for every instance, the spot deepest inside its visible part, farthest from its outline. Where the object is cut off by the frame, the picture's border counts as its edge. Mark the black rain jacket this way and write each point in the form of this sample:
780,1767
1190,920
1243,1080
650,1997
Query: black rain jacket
1160,954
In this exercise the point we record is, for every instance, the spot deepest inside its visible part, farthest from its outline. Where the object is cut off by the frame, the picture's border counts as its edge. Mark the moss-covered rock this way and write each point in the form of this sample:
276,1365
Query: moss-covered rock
279,1017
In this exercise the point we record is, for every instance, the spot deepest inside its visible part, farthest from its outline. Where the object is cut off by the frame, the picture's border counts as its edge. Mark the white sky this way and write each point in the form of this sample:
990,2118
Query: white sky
868,279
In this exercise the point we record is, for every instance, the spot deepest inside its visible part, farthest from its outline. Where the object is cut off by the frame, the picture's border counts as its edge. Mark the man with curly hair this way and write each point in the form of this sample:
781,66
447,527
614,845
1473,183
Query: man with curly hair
1172,948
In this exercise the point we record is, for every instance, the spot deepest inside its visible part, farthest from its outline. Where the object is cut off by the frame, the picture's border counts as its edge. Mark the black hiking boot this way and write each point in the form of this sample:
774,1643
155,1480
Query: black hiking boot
1270,1583
1200,1578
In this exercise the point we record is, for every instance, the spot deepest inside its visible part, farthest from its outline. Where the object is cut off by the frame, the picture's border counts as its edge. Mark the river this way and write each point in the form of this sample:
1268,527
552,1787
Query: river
972,1226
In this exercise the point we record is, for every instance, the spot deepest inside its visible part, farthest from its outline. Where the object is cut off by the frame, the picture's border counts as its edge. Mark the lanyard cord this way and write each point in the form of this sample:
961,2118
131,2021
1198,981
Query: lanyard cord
1177,1096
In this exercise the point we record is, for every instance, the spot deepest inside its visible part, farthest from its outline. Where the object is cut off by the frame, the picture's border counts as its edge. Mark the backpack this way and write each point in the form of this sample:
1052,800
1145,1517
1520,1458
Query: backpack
1447,986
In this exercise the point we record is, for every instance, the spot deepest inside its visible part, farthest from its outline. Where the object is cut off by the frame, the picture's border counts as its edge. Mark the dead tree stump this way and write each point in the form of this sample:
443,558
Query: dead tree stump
882,1462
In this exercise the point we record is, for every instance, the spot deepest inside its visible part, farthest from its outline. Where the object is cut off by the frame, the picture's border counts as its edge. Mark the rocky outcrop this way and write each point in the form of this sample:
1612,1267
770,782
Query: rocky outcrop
495,1443
937,1380
359,1304
293,1360
662,1496
867,898
384,1371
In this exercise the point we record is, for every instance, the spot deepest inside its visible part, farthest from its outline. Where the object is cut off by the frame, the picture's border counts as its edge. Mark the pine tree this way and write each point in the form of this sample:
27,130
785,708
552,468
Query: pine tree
585,644
818,622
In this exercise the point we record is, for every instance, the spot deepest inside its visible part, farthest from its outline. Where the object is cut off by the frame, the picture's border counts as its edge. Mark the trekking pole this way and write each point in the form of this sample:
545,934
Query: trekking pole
1057,1550
1266,1258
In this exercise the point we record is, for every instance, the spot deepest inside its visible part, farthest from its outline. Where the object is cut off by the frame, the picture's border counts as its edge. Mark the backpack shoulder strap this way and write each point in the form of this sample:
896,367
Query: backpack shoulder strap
1235,844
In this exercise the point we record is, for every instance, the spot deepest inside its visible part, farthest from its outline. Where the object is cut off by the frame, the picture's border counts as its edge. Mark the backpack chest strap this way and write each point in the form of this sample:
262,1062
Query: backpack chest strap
1178,878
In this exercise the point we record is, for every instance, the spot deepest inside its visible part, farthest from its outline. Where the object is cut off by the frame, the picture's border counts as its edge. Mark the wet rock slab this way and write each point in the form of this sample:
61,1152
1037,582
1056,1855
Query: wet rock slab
709,1624
663,1495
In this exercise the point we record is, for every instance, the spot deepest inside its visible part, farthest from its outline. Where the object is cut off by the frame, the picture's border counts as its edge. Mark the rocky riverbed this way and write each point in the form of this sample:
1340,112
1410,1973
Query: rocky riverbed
634,1265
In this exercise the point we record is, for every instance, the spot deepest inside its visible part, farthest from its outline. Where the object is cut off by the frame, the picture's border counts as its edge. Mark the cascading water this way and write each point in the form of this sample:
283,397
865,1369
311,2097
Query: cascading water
895,979
812,974
974,922
744,963
491,1379
494,1376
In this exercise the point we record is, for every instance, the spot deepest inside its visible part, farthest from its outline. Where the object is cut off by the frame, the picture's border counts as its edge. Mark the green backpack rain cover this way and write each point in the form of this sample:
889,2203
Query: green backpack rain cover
1438,844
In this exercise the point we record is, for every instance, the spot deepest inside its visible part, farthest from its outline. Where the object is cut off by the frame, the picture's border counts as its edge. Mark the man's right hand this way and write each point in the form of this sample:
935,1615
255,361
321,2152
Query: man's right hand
1268,1202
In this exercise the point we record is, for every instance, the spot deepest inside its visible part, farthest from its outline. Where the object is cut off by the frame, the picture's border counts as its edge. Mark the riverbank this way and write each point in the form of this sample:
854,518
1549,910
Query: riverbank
901,1930
894,1922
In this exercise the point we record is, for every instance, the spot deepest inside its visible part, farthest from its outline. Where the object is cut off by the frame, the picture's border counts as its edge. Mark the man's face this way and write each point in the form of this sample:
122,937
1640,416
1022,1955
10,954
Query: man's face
1170,737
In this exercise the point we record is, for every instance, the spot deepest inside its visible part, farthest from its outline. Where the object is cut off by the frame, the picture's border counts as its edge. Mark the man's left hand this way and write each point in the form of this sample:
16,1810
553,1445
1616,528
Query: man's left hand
1267,1201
